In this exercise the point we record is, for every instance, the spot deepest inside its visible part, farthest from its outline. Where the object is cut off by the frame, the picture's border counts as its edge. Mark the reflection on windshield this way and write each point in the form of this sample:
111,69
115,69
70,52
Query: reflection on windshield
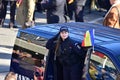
27,63
101,67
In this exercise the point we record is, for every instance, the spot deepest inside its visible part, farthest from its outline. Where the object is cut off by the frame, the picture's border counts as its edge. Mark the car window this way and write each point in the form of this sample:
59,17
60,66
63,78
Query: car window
101,67
28,56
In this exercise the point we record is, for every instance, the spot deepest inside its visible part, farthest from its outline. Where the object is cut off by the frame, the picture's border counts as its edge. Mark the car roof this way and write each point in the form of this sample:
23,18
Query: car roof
106,39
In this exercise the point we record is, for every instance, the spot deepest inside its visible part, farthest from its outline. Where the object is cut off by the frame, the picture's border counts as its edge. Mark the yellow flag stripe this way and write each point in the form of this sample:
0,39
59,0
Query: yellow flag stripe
87,39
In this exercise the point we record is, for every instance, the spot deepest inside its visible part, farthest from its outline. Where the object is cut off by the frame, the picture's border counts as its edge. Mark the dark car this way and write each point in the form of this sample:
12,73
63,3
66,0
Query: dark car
102,62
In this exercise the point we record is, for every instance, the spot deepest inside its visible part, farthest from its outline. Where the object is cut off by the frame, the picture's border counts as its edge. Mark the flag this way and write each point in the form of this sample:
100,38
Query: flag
88,38
70,1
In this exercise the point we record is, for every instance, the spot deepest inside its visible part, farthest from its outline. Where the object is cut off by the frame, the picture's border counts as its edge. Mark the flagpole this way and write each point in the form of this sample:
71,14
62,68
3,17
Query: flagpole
88,42
94,40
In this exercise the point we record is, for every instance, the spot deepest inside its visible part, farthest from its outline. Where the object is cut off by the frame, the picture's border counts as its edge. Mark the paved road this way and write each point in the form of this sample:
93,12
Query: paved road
7,37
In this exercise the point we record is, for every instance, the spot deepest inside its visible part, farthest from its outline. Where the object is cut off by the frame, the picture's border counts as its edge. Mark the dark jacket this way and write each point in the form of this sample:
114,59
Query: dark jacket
69,52
55,11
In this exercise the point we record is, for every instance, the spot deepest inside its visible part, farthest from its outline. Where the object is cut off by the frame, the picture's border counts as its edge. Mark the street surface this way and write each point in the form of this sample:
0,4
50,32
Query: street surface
7,36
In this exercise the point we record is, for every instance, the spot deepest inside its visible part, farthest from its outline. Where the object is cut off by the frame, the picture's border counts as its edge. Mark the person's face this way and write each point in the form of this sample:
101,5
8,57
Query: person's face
64,35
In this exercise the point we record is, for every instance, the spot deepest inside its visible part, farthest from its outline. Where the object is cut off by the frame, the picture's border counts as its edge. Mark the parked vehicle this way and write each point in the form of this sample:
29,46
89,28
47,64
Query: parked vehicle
29,52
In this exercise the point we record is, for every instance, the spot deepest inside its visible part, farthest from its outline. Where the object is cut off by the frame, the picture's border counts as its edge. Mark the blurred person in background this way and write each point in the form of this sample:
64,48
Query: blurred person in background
38,6
55,10
75,9
0,9
112,18
3,12
71,7
11,76
79,10
31,8
25,13
91,5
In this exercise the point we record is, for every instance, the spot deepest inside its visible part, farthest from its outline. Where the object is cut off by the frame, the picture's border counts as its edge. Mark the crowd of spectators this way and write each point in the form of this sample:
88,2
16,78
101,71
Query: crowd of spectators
57,11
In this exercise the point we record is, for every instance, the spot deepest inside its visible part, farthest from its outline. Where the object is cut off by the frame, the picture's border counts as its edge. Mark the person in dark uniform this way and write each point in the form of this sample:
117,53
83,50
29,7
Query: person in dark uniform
68,55
3,12
55,10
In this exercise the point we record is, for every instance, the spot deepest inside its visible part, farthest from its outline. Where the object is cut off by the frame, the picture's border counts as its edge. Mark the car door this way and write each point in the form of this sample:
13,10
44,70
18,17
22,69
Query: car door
101,67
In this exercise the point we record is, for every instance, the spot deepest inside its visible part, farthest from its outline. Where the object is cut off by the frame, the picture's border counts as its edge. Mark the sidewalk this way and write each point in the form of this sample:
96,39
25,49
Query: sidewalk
7,38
